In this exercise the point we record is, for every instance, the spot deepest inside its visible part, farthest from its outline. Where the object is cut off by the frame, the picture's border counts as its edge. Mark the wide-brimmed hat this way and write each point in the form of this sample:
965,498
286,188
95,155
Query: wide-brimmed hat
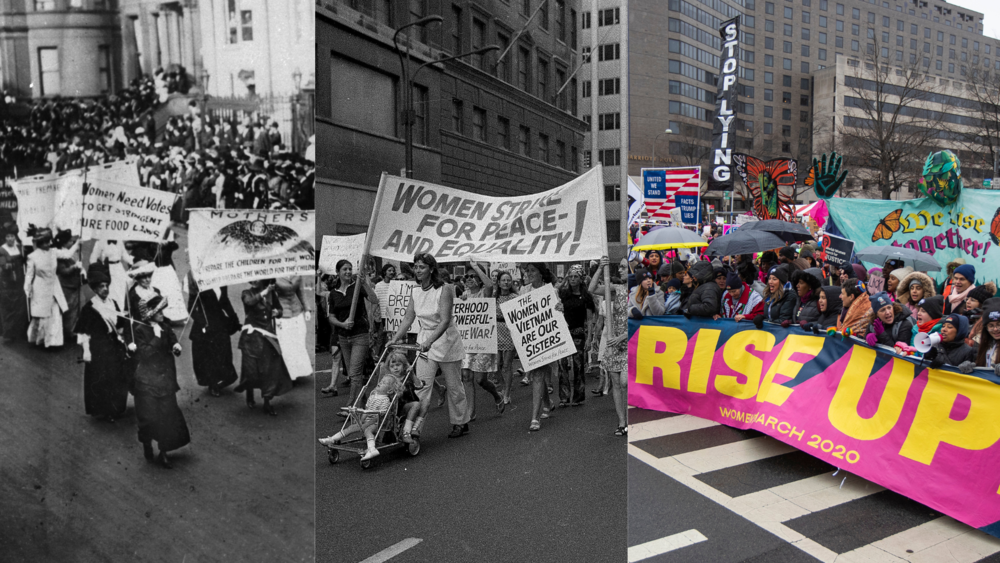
150,307
38,236
141,268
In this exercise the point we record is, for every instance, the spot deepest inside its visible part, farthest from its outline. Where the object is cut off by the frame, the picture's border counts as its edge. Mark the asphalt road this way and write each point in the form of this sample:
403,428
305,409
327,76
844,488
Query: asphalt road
79,490
497,494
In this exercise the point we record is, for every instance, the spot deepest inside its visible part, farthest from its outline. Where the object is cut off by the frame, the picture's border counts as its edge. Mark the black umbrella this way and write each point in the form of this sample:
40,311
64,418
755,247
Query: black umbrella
785,230
744,242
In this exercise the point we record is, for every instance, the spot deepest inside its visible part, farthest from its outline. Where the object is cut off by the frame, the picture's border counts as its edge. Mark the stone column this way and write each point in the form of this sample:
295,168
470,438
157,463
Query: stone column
158,39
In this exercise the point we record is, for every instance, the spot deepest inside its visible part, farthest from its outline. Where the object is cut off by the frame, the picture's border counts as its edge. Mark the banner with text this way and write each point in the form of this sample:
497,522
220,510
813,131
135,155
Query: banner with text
394,303
969,229
724,125
228,247
116,212
836,250
564,223
540,333
928,434
476,321
336,248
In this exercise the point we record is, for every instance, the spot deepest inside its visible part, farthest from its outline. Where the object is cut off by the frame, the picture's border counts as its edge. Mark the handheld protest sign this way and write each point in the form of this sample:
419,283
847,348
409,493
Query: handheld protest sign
540,333
397,299
336,248
476,321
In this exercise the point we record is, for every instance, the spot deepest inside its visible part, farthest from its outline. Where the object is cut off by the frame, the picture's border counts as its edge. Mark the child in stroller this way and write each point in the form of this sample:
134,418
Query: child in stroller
379,401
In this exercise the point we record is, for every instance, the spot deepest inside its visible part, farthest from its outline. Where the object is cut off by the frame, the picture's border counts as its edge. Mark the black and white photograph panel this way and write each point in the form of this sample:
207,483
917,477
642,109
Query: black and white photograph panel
157,281
471,351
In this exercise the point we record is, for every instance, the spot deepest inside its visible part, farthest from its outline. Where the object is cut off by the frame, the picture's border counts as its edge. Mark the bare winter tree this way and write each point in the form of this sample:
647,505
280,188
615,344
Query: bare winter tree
888,131
981,136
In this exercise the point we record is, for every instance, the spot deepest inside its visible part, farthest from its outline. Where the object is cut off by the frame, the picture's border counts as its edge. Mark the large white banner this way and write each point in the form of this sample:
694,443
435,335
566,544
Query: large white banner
563,224
476,321
118,212
228,247
336,248
56,200
394,304
540,333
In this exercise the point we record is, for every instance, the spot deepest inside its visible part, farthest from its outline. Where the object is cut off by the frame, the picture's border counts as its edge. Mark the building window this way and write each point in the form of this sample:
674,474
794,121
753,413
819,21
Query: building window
787,47
48,68
378,114
457,117
586,89
543,79
804,83
503,69
543,148
524,140
561,20
45,5
768,128
768,95
104,68
479,124
609,157
585,21
768,111
786,114
609,87
478,42
523,68
545,15
609,52
614,231
608,17
786,80
560,83
609,121
420,112
503,132
456,29
572,28
612,192
525,7
803,116
246,25
560,154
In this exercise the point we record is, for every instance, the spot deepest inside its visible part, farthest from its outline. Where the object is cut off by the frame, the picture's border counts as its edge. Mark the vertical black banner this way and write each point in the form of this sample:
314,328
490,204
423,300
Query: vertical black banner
724,128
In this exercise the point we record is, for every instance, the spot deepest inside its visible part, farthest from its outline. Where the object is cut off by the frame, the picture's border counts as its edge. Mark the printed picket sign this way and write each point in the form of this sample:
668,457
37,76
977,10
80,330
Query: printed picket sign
476,321
925,433
336,248
396,300
540,332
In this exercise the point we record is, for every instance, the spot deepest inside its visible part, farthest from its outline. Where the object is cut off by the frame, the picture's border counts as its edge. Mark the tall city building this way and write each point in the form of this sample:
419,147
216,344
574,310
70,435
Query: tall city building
502,122
674,51
603,79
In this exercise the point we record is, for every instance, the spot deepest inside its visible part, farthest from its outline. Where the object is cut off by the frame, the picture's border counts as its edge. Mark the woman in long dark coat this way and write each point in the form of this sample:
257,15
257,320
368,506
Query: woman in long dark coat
263,367
105,379
213,322
13,302
154,345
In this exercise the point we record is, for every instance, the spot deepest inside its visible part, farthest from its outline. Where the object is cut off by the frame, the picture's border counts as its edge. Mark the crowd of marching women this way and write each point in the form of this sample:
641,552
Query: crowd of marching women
356,341
791,287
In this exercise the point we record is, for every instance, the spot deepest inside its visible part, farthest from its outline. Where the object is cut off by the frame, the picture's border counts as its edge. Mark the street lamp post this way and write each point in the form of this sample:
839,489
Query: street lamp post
666,132
297,132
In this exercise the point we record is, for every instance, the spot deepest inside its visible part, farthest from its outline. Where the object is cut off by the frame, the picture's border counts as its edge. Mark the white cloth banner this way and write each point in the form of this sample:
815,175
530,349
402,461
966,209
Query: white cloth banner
56,200
397,299
227,247
114,212
563,224
334,248
476,321
540,333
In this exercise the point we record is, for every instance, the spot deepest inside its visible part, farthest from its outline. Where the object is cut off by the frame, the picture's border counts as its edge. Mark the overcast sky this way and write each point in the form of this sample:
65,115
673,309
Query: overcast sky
990,9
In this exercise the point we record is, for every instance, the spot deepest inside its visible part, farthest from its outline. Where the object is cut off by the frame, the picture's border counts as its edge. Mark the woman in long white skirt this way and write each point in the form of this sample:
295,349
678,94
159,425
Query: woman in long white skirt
165,279
292,327
112,254
46,302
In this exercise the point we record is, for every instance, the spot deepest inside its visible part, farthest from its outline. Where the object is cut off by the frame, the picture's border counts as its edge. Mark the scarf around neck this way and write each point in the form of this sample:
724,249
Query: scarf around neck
957,298
928,326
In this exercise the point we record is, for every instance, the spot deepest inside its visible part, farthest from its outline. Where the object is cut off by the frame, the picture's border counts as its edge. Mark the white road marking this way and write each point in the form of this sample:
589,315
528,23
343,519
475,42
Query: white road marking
664,545
392,551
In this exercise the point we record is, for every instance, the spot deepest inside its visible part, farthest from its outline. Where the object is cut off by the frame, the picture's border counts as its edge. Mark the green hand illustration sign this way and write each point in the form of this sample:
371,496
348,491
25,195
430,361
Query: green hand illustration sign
823,175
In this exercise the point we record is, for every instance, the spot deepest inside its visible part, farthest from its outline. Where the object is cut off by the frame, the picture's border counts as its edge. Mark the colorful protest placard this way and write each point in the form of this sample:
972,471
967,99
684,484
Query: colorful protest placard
336,248
397,299
228,246
923,433
875,284
115,212
540,333
476,321
563,224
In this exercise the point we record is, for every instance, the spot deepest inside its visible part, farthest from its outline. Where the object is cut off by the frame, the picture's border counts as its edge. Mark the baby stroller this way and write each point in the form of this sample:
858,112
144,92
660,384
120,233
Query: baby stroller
388,434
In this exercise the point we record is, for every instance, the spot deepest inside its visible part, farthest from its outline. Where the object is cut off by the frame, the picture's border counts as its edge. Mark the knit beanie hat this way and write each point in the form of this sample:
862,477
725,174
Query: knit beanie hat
961,324
933,305
981,293
780,273
901,273
968,272
733,281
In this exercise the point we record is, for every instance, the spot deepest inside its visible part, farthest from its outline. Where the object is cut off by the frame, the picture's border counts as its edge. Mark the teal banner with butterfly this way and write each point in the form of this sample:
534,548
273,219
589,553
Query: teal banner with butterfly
968,229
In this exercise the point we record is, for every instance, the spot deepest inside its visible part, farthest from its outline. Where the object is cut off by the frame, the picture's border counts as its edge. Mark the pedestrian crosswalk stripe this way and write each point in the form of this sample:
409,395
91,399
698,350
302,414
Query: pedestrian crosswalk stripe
776,507
664,545
392,551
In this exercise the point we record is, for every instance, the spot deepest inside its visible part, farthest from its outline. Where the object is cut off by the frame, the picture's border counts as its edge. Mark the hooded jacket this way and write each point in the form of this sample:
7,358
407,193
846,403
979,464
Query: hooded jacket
706,300
957,351
807,311
833,307
903,291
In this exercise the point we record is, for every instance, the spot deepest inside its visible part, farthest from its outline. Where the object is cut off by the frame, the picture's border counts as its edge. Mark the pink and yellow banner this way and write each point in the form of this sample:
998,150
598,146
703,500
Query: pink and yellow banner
929,434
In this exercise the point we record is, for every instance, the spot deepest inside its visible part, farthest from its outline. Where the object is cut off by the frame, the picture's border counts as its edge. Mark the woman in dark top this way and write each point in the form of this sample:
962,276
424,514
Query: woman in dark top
352,334
829,306
105,379
13,303
263,367
579,310
213,323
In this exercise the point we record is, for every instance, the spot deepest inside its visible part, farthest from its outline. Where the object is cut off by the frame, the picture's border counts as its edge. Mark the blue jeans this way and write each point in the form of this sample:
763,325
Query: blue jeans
355,350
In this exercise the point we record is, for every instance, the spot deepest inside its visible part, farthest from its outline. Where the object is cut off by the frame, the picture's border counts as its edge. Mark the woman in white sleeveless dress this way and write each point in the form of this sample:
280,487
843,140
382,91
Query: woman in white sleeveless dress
441,346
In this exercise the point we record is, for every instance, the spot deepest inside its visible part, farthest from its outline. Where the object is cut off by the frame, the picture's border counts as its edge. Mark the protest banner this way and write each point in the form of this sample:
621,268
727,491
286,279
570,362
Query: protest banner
336,248
540,333
924,433
229,246
563,224
116,212
476,321
397,299
836,250
969,229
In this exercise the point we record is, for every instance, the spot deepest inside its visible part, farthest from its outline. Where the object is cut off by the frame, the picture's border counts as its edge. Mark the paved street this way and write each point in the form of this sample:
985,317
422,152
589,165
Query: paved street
708,492
79,490
497,494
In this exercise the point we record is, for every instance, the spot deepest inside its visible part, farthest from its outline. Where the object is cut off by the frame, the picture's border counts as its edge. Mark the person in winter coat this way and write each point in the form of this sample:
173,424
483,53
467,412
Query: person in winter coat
779,301
894,279
654,260
963,281
853,271
952,350
672,301
740,302
889,324
645,298
988,355
688,284
974,310
915,287
944,288
857,307
928,317
806,284
829,305
706,299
